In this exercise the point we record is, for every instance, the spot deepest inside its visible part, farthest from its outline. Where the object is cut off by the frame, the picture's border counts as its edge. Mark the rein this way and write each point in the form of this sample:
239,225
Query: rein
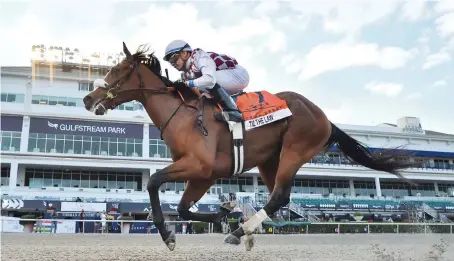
114,89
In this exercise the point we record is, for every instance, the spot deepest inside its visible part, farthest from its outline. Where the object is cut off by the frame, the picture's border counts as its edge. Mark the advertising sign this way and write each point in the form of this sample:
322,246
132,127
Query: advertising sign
87,128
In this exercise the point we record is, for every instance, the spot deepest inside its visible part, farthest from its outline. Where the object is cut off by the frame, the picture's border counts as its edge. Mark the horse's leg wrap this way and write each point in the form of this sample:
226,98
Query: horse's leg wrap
257,219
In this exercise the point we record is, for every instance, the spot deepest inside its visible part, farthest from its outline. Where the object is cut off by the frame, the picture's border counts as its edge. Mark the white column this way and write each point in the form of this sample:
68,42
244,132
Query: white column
377,186
146,141
25,133
152,171
145,177
255,182
352,187
437,191
28,94
13,173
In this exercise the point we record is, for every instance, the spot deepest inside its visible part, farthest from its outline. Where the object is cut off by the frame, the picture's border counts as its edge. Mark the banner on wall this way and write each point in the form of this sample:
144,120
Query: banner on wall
89,128
11,123
87,207
167,207
11,225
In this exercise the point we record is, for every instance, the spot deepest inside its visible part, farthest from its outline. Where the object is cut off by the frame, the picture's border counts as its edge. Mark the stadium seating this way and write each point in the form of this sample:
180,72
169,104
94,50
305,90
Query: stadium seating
308,202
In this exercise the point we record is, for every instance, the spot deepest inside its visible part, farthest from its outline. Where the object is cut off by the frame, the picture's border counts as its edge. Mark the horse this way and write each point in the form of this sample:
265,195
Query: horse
205,149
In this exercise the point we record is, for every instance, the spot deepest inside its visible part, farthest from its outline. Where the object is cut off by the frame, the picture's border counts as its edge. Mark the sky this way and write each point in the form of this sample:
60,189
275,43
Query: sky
361,62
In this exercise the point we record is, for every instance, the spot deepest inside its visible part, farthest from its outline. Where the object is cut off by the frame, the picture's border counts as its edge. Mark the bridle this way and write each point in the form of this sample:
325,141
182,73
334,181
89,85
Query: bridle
113,90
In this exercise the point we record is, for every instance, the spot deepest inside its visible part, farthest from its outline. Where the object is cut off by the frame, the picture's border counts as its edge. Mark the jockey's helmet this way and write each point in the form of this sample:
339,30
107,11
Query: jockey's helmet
174,47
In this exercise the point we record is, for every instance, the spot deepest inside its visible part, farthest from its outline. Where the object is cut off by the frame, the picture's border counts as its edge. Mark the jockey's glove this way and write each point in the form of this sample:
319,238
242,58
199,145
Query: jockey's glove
185,84
180,84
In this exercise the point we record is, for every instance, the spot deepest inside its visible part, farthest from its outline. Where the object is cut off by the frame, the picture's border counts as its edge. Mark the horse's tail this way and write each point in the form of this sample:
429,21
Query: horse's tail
359,153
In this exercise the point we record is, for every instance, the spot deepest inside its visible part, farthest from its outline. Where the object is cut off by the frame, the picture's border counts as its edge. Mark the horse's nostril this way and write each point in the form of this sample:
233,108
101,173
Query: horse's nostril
87,99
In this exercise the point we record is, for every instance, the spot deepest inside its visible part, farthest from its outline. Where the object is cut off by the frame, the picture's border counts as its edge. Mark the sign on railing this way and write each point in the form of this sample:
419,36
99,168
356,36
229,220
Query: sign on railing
11,224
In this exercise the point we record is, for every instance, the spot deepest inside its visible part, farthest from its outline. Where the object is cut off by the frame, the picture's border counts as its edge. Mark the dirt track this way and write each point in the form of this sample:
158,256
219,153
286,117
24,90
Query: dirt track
210,247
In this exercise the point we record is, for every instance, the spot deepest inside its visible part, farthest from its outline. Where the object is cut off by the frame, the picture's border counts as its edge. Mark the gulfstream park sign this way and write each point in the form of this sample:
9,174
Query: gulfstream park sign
86,128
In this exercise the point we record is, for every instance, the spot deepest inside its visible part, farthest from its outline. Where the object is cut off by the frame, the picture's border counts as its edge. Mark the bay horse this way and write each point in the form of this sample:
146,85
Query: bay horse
202,149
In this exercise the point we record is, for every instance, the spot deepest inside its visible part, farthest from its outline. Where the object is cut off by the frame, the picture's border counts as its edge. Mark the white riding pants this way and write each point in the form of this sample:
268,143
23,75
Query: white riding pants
233,80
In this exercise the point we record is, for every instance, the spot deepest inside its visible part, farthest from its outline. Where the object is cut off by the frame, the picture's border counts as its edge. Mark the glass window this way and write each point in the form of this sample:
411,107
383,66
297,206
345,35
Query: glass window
113,147
158,149
35,99
85,179
79,103
95,145
94,180
66,181
104,146
121,149
129,106
50,144
11,97
138,148
121,181
32,144
102,180
20,98
86,145
138,106
41,145
6,140
76,144
81,178
62,101
71,102
85,86
15,142
53,100
43,100
111,181
130,183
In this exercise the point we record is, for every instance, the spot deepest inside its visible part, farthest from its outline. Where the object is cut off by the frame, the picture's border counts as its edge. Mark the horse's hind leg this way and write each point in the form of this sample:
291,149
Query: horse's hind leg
293,156
195,189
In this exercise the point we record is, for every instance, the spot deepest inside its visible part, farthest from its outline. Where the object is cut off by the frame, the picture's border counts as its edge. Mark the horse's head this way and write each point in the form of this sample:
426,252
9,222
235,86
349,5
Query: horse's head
124,82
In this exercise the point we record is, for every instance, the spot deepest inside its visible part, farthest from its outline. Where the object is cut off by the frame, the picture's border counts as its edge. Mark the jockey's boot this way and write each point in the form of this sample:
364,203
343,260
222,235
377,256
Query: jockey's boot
228,105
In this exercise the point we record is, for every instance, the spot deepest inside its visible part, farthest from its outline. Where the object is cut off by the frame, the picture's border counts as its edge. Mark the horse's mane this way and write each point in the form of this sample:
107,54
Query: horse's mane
154,65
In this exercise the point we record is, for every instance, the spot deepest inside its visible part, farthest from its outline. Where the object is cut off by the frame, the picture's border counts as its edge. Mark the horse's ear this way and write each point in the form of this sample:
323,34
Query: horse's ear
126,51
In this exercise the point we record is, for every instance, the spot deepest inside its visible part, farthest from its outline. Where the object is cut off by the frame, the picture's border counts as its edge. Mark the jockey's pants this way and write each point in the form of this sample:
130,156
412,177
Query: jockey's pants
232,80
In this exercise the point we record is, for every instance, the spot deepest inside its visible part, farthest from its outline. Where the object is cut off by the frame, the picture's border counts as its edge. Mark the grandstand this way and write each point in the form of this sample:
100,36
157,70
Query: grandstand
54,152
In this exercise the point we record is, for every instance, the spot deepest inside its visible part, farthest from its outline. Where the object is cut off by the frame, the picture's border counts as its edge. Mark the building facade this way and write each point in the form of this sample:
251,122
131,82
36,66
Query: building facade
52,147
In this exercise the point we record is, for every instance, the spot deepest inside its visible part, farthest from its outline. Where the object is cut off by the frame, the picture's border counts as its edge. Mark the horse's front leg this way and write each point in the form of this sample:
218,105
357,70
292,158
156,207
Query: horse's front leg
184,169
194,191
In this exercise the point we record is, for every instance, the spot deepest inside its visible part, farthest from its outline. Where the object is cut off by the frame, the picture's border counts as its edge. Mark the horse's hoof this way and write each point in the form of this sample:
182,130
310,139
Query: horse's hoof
170,241
231,239
249,242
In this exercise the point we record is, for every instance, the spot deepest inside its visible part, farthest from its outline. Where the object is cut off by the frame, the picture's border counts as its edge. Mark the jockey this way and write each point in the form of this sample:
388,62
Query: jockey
207,71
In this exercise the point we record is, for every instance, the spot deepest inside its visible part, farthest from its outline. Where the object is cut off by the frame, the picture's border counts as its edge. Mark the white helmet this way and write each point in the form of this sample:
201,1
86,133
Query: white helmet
176,46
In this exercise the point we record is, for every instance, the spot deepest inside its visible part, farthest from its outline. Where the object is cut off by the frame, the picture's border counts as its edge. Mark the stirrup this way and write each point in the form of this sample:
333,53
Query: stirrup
226,116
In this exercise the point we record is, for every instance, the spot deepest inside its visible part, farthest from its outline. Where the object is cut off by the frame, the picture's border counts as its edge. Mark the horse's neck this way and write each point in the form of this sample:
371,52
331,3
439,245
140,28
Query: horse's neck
166,109
160,107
